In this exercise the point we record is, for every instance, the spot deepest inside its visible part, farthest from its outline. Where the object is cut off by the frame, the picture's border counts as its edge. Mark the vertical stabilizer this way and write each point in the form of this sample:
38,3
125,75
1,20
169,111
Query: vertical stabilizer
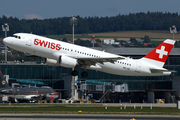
159,55
3,83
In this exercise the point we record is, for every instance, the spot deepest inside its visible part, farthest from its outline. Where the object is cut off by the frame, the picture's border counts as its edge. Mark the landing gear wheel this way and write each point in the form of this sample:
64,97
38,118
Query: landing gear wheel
84,74
74,73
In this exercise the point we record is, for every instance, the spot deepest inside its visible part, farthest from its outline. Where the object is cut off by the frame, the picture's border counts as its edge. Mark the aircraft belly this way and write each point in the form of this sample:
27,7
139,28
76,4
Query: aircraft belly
17,96
40,52
127,70
116,69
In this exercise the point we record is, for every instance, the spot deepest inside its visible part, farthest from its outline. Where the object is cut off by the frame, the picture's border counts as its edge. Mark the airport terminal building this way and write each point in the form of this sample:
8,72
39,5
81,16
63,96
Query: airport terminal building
99,85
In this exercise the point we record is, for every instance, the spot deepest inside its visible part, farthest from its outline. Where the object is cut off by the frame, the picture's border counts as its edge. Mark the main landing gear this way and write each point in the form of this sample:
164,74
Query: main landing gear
74,73
83,74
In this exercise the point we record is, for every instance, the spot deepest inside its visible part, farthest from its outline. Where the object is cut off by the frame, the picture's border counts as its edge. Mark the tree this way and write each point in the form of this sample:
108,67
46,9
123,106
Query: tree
147,39
57,26
64,40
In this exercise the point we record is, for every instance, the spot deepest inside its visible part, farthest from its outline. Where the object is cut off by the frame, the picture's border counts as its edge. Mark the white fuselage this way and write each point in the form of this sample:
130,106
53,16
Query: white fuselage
52,49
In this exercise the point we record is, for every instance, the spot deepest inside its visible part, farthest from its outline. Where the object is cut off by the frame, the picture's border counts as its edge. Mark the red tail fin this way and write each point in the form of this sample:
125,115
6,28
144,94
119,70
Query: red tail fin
161,52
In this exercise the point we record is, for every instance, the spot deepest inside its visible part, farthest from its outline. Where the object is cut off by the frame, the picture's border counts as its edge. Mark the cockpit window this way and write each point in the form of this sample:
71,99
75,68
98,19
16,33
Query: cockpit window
17,36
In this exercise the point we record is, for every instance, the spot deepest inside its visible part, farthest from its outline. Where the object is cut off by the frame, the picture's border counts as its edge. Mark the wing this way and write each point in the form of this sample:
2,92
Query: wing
6,91
35,97
93,61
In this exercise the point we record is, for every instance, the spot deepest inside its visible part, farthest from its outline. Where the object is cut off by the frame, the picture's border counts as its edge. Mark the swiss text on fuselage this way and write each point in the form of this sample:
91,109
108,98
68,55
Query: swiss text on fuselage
47,44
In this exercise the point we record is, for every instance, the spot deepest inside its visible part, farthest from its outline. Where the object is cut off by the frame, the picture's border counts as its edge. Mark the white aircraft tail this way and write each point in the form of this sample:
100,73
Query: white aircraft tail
159,55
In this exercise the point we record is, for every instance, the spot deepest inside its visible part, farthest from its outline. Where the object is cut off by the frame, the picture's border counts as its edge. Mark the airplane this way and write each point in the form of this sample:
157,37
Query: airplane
58,53
26,93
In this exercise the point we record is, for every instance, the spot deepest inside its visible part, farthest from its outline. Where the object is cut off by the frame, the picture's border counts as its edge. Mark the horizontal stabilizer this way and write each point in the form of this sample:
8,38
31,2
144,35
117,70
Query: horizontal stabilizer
156,70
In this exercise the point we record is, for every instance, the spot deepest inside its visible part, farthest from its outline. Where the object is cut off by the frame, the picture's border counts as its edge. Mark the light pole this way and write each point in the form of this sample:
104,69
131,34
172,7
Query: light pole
73,22
5,28
93,39
173,30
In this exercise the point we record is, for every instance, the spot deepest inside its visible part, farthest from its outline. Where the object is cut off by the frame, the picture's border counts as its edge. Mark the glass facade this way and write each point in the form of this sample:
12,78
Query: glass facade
41,74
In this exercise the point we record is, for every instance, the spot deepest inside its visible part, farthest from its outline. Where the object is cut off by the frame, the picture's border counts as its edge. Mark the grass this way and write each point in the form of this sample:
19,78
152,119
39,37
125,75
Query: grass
92,110
48,104
86,108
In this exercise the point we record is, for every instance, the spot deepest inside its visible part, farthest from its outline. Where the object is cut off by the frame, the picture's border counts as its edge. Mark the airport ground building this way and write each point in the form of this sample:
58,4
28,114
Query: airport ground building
114,88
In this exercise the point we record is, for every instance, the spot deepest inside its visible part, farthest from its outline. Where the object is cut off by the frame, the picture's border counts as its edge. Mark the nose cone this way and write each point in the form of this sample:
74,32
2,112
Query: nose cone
6,41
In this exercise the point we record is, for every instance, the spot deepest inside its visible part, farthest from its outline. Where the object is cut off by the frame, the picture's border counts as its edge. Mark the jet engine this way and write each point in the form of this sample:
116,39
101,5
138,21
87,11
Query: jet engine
51,62
63,61
67,61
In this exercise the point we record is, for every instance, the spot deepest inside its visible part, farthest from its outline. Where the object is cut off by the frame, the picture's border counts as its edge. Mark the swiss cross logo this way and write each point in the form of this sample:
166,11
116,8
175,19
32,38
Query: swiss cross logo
161,52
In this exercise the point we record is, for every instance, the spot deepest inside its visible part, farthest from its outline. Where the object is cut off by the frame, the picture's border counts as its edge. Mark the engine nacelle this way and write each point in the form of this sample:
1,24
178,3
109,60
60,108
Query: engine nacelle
51,62
67,61
63,61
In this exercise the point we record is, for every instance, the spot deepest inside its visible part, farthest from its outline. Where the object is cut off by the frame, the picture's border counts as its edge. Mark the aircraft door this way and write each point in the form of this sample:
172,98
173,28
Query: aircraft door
138,67
28,40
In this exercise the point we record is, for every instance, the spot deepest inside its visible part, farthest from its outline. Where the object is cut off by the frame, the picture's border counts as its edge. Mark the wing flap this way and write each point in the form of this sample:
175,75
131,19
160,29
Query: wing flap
93,61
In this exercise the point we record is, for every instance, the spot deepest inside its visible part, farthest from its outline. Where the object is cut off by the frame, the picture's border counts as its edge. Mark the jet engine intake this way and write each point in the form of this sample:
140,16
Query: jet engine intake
51,62
64,61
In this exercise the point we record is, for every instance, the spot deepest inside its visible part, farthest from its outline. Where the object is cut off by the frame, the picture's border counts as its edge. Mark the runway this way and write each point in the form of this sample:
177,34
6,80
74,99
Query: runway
86,116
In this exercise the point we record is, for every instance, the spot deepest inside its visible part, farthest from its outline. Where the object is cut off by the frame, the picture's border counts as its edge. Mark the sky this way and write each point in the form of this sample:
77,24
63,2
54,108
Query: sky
45,9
